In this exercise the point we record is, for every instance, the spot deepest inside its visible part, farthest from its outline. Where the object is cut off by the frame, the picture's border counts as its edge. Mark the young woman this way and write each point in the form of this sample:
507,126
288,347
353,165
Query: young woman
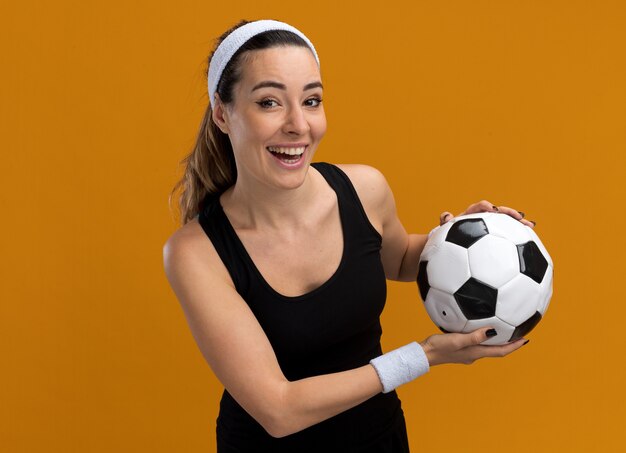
281,264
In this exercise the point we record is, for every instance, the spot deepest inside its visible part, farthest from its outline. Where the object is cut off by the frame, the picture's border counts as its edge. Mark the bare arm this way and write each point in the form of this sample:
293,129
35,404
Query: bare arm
400,251
238,351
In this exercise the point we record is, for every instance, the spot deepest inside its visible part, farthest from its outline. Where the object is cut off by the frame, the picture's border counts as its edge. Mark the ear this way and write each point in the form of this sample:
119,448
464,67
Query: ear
220,115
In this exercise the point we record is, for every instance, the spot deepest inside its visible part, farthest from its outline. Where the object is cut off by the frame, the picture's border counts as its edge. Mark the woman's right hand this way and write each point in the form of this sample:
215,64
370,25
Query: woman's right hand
465,347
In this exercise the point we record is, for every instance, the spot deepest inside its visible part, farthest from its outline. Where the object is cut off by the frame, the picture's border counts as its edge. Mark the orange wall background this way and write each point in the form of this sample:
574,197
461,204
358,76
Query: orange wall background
519,102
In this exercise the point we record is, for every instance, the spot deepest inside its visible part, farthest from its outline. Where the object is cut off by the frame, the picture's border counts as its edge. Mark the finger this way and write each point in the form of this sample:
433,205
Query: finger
481,206
529,223
499,350
445,217
517,215
477,336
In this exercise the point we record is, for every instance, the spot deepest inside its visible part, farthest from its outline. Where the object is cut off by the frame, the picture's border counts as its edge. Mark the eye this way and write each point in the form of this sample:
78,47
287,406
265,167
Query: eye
313,102
267,103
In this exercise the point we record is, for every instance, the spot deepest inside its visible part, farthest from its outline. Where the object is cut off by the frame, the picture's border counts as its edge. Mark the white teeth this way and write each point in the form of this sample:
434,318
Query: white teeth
289,151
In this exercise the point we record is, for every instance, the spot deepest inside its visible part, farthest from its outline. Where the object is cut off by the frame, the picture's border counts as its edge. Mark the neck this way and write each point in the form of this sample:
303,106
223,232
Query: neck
254,205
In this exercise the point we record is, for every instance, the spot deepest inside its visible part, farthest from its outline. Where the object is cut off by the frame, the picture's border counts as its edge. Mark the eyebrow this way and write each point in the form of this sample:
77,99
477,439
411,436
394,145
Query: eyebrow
281,86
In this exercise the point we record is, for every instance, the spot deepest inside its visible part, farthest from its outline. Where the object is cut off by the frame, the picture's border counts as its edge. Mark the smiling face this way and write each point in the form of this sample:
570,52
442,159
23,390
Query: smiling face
276,119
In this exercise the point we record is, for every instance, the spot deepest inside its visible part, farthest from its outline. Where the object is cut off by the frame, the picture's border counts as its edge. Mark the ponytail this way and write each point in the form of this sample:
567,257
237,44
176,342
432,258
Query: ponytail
209,169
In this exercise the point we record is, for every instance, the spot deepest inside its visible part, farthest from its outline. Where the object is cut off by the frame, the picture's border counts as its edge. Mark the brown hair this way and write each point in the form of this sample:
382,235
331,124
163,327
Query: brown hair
210,166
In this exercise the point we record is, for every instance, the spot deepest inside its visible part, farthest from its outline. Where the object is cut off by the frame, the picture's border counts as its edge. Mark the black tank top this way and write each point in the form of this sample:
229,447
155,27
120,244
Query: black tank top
335,327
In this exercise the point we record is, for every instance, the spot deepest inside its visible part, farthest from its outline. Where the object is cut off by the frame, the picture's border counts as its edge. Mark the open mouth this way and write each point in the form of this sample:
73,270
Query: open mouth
287,155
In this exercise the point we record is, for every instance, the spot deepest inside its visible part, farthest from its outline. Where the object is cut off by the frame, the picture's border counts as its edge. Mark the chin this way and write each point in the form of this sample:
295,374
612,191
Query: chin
294,180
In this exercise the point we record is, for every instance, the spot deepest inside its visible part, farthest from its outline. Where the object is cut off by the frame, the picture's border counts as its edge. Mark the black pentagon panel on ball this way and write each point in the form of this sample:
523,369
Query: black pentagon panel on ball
531,261
422,280
466,232
526,326
476,299
443,330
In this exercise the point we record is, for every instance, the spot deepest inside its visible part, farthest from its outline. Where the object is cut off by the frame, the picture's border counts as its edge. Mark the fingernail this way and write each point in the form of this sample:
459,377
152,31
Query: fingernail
526,342
491,333
495,208
533,222
521,213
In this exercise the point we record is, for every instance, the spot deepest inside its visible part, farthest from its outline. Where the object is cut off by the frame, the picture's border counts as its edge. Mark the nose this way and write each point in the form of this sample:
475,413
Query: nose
296,122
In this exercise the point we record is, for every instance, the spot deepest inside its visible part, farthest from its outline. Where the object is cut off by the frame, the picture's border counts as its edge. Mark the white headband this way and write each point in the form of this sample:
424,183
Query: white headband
238,38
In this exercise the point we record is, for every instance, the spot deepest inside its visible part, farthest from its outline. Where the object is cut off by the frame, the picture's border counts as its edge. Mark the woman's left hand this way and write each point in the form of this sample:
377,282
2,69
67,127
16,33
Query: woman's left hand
485,206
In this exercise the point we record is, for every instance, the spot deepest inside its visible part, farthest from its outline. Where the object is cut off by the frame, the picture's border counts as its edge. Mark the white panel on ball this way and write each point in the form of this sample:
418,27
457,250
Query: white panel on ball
503,329
440,233
518,300
546,289
444,311
428,251
448,269
505,226
435,240
478,215
493,260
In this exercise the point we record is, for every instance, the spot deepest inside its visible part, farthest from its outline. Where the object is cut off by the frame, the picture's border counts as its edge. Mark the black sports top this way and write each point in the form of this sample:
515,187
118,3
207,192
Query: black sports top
333,328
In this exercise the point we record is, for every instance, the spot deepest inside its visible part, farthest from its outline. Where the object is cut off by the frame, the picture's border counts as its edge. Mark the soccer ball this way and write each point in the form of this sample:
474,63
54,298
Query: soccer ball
485,269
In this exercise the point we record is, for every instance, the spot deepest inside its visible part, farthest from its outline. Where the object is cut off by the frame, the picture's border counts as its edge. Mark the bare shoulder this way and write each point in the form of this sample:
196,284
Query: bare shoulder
188,239
363,175
372,188
368,181
190,246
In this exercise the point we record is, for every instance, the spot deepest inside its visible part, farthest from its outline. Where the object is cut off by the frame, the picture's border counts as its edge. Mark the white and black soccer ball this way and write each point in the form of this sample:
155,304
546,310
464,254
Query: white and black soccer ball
485,269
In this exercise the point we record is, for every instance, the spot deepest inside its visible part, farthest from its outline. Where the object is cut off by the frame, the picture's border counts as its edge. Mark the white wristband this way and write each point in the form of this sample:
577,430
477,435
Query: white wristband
400,366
